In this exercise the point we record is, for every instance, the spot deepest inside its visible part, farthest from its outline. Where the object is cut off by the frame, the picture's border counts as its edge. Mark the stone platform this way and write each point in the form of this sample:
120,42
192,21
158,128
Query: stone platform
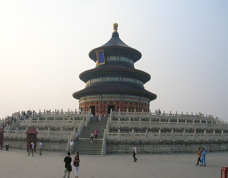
16,164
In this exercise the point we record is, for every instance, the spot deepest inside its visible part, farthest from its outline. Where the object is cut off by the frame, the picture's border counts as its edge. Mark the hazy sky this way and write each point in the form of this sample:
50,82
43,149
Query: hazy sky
44,46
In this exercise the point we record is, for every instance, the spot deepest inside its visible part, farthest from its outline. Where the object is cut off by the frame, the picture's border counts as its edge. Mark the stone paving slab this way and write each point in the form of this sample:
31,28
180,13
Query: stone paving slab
16,164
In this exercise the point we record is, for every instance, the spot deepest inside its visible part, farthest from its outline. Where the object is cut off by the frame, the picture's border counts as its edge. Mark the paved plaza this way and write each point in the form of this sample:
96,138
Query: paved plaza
16,164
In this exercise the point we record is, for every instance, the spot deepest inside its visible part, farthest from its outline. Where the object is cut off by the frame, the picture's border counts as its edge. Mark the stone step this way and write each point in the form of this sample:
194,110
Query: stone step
90,153
99,136
87,152
87,144
87,135
91,149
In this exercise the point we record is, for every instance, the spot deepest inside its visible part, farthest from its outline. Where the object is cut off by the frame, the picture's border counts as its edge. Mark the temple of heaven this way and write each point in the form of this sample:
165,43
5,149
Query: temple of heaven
114,84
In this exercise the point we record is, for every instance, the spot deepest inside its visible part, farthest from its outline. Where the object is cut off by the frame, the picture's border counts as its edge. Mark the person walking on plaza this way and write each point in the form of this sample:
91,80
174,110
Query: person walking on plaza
95,133
67,160
31,148
134,153
203,157
198,152
71,146
40,147
76,164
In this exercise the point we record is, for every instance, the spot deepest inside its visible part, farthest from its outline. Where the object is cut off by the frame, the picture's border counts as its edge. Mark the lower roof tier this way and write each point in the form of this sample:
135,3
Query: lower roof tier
114,88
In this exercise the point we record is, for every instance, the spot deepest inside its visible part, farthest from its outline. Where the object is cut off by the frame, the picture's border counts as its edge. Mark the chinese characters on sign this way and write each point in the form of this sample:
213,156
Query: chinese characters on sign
100,57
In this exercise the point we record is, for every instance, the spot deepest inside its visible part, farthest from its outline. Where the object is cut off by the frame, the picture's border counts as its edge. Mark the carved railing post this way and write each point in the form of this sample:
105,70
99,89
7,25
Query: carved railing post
61,133
133,135
147,139
159,134
118,135
184,134
205,134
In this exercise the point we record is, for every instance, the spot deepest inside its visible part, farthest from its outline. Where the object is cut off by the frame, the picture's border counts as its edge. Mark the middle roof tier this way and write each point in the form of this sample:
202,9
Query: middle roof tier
114,72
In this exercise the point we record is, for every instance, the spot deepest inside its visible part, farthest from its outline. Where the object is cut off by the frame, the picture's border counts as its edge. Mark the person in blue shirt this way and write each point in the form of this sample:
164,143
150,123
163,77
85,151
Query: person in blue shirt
203,156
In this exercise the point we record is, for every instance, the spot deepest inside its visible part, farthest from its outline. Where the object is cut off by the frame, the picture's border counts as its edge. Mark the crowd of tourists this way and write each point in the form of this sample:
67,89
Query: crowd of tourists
21,115
25,115
8,121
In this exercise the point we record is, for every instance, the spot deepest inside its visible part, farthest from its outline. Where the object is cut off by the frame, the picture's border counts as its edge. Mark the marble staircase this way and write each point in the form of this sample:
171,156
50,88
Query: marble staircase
84,146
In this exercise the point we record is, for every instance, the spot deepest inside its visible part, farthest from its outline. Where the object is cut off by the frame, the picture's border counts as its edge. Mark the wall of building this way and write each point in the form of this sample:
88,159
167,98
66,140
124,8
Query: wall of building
101,107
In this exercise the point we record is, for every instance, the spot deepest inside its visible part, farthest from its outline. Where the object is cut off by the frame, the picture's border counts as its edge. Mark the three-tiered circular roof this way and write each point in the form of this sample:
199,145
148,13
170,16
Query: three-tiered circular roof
115,47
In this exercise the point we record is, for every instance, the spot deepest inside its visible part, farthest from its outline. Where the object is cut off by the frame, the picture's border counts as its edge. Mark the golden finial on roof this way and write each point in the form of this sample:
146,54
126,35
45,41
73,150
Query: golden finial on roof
115,26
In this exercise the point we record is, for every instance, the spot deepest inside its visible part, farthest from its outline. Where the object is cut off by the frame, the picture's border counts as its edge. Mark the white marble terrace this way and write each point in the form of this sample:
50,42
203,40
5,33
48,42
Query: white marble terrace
50,125
148,126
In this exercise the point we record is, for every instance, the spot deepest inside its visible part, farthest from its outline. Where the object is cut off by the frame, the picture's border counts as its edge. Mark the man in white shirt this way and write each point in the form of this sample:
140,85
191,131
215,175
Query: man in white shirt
71,146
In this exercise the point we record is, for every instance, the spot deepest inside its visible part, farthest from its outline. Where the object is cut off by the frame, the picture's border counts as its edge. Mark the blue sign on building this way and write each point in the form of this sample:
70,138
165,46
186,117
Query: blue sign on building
100,57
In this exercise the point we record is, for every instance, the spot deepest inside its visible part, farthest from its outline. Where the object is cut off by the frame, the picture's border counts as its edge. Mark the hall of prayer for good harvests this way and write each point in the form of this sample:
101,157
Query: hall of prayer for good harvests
114,84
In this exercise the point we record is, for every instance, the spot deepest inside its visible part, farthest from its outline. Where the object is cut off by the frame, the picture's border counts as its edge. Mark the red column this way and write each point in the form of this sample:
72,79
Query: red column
140,108
121,106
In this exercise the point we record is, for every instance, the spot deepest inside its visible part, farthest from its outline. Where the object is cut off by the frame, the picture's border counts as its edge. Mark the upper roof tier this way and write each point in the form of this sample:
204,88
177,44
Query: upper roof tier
115,46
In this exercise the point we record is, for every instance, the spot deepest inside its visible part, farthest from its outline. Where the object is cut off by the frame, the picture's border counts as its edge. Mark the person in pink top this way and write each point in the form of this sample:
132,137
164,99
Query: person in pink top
95,133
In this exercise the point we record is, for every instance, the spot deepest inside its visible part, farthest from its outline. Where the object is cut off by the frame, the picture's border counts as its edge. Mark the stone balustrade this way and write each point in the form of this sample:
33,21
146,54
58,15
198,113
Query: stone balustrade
50,115
104,140
50,122
127,114
159,124
104,144
61,113
159,136
146,124
47,134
